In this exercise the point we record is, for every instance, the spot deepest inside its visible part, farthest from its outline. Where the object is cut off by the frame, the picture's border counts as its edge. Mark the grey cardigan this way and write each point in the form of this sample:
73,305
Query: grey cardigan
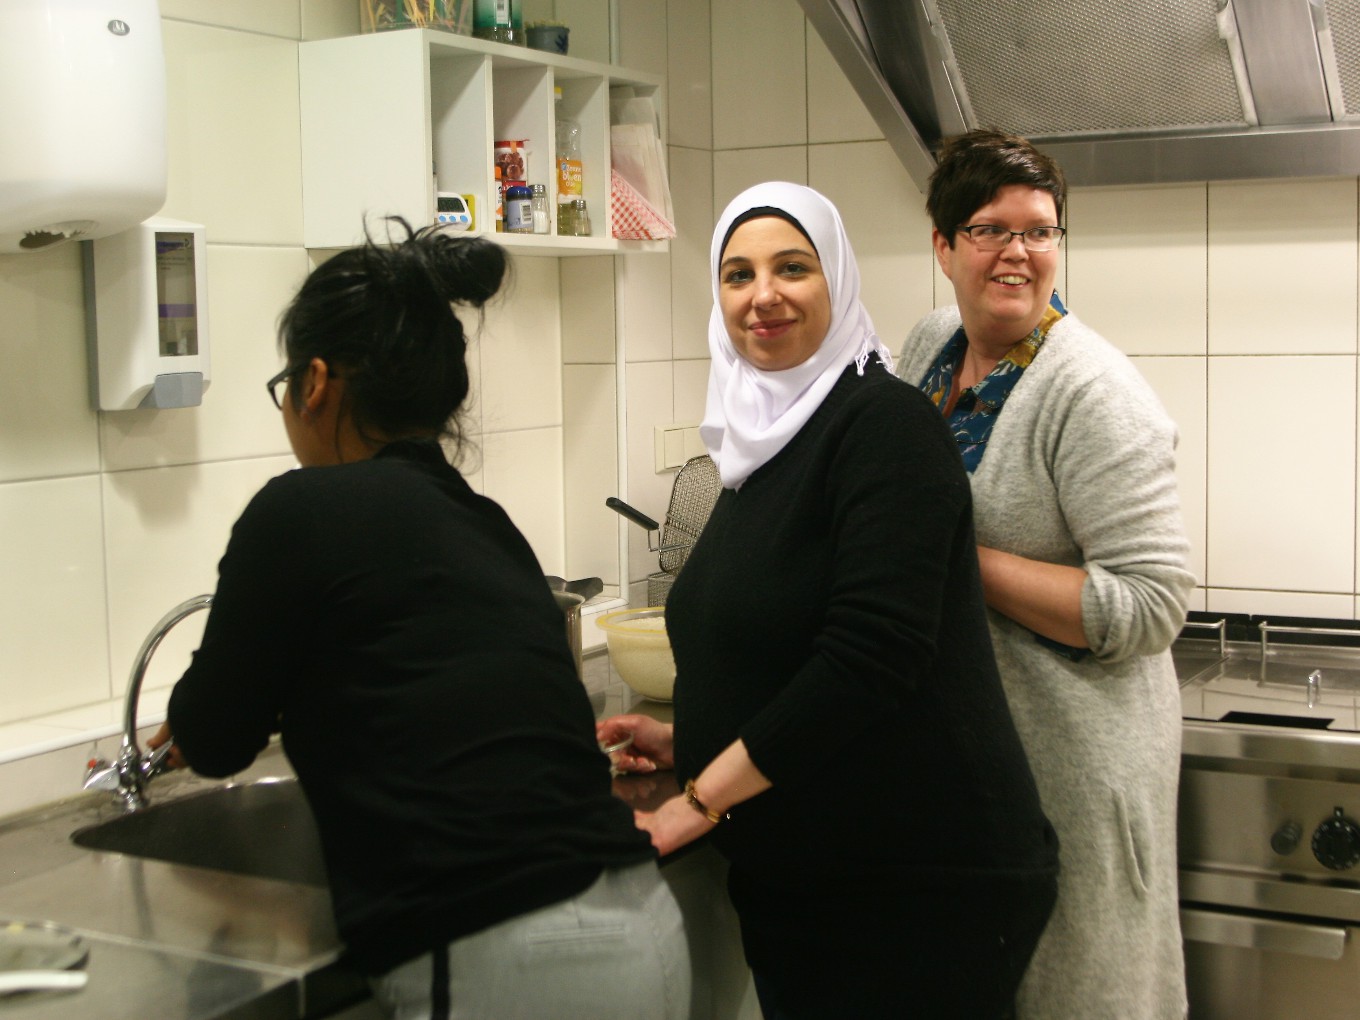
1079,470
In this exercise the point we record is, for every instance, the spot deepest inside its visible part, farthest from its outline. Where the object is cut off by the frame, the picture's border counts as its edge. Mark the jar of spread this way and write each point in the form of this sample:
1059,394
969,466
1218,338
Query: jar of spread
519,210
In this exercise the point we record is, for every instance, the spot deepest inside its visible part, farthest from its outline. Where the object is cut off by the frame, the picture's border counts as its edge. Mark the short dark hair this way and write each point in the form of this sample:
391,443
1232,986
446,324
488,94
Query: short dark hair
381,317
973,167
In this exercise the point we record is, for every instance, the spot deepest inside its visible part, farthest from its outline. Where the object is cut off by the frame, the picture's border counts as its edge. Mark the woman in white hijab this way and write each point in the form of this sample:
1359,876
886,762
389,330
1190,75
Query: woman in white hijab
840,729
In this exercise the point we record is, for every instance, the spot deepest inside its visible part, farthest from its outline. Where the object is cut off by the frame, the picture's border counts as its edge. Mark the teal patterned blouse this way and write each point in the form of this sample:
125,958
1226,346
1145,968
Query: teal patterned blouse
976,410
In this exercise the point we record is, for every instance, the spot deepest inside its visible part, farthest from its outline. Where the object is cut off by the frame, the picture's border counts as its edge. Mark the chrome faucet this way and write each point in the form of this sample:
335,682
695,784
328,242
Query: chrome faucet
128,775
1314,687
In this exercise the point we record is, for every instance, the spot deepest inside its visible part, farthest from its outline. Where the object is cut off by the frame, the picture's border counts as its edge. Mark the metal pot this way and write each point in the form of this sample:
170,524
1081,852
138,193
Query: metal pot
570,603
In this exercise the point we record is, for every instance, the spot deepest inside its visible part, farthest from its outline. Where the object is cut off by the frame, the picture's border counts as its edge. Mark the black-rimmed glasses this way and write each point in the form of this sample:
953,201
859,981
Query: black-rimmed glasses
279,385
993,237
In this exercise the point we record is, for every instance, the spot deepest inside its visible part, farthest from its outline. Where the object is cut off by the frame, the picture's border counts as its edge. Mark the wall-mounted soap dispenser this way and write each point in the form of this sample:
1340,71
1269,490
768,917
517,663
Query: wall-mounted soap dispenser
82,119
146,316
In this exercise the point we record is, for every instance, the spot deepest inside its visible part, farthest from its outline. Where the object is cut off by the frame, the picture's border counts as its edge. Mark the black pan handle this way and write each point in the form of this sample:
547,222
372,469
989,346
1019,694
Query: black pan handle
636,516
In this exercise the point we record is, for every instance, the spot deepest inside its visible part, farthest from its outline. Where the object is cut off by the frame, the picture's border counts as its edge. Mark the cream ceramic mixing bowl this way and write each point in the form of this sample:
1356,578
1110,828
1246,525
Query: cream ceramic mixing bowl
640,650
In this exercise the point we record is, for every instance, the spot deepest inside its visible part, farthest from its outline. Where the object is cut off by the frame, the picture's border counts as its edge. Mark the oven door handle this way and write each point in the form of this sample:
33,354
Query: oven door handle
1253,932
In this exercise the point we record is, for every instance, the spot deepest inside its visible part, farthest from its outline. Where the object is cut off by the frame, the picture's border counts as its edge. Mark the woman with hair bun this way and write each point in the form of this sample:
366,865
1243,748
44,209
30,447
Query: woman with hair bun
396,629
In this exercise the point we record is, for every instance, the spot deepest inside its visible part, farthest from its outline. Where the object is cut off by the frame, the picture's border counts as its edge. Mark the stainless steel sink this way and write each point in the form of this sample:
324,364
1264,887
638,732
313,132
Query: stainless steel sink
263,829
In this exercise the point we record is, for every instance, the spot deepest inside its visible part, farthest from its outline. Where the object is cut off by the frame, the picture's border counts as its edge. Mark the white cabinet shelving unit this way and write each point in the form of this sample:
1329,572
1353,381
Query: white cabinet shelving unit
389,118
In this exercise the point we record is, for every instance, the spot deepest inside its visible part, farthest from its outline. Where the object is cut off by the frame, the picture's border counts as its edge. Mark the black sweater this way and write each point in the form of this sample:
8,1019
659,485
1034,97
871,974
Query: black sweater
831,615
397,629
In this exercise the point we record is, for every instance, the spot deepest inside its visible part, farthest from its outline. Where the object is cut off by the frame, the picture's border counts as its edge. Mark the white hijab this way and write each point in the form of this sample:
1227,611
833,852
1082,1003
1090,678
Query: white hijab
752,413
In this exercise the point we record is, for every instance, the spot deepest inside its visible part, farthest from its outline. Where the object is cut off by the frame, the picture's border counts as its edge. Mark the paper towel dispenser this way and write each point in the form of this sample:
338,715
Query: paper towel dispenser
83,118
146,316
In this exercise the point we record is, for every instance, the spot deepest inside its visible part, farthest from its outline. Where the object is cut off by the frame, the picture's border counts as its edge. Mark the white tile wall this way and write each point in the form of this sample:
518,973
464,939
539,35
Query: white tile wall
1182,385
164,530
1282,267
1281,473
235,150
54,652
1140,248
642,35
759,74
326,19
889,227
735,170
835,112
691,390
264,16
1277,603
689,81
587,286
46,426
520,351
591,471
590,26
691,292
644,297
523,473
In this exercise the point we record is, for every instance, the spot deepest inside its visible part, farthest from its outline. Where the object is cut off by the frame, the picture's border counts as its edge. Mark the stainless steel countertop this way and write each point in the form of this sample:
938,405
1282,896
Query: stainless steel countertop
184,943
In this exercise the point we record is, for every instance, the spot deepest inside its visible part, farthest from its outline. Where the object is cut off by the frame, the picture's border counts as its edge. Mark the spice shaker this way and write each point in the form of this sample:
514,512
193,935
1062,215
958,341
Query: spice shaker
540,207
580,219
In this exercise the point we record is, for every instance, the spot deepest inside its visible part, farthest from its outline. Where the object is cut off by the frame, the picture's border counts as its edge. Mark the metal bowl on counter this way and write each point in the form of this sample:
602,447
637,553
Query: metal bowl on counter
640,650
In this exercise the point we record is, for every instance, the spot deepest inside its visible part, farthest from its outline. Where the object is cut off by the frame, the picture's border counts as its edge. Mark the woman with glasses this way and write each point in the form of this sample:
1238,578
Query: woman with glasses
396,629
1083,558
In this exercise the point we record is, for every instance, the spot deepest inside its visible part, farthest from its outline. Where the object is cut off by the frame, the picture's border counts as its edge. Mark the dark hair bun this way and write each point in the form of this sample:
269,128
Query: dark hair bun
454,267
468,270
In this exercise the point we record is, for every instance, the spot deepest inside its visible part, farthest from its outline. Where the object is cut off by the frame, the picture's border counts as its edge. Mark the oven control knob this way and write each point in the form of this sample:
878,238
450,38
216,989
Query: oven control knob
1286,838
1336,843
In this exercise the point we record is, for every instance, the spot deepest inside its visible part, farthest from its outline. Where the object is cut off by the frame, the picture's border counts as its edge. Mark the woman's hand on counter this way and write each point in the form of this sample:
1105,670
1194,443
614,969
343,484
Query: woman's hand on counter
174,759
653,745
673,825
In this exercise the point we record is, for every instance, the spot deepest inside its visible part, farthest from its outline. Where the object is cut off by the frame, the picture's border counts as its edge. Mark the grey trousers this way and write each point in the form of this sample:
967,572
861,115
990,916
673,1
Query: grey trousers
616,950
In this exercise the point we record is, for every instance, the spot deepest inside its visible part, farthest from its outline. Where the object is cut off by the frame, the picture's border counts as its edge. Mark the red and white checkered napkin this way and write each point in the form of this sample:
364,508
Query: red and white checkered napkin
635,219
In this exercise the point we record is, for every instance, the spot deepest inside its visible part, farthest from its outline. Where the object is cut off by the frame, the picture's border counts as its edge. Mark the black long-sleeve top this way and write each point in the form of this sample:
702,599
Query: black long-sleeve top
831,615
397,629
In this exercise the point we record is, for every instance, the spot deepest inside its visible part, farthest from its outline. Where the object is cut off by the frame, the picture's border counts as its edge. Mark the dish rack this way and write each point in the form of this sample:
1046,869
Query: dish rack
693,494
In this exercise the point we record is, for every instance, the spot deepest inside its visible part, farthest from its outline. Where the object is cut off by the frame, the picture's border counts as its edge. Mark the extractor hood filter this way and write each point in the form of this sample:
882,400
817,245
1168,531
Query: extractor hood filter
1098,66
1343,29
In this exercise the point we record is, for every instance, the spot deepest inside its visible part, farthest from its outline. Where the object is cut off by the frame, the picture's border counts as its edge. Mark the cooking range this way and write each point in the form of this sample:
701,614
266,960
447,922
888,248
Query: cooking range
1269,833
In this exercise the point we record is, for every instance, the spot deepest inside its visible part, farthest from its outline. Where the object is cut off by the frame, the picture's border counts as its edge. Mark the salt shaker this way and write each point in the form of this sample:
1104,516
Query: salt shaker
540,205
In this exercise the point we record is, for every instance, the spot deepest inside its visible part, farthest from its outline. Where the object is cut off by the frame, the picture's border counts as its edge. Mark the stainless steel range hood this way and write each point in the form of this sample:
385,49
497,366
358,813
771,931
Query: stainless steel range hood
1127,92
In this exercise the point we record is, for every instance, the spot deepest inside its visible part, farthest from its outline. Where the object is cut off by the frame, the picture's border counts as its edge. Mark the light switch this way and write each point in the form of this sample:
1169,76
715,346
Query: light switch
674,445
694,446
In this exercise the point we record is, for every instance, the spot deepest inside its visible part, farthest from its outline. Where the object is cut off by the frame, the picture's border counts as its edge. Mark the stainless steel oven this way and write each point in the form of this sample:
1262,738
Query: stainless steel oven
1269,836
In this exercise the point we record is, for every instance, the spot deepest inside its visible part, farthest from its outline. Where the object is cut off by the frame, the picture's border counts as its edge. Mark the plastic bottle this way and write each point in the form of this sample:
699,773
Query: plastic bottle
570,186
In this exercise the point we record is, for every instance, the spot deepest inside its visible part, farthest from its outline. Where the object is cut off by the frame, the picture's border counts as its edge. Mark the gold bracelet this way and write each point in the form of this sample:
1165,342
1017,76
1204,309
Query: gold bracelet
692,799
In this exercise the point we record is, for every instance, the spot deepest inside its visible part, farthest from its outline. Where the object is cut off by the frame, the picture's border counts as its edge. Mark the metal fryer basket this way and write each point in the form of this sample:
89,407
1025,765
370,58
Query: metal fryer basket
693,494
